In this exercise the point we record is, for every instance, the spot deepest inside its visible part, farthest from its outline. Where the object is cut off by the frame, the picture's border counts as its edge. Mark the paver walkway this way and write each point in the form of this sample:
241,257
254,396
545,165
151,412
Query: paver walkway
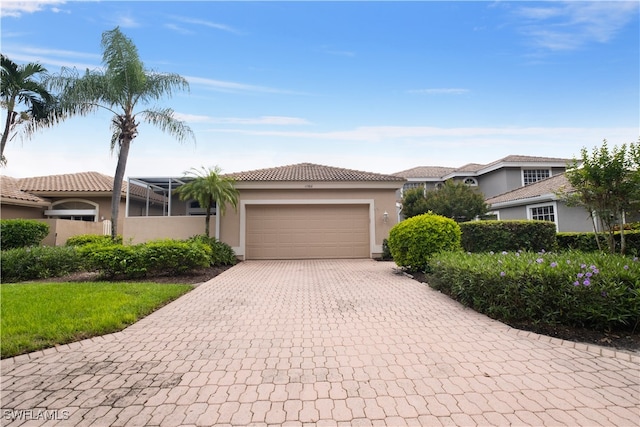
320,343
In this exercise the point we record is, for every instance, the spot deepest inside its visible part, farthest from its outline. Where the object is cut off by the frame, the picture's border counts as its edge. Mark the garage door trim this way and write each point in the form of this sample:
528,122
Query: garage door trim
241,251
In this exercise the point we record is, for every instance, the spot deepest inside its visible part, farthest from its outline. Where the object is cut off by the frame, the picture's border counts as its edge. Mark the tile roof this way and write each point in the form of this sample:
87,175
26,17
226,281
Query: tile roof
9,189
81,182
310,172
441,171
546,186
425,172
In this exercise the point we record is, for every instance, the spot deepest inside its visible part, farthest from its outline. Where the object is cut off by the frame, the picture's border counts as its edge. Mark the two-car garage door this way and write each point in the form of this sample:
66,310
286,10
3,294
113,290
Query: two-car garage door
307,231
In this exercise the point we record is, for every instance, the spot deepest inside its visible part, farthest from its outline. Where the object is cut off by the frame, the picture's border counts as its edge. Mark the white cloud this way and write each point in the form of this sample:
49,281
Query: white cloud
263,120
226,86
179,29
440,91
208,24
571,25
15,9
127,21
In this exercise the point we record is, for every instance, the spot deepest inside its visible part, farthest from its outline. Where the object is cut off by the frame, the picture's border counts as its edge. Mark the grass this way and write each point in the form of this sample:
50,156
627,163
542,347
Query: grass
41,315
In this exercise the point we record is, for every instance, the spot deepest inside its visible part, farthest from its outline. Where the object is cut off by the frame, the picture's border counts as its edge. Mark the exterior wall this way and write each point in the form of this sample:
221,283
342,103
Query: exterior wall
21,212
61,229
573,219
516,212
383,200
500,181
144,229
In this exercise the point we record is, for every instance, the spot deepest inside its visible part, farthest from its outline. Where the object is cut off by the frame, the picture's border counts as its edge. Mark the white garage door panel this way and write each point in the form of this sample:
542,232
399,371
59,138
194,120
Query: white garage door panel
307,231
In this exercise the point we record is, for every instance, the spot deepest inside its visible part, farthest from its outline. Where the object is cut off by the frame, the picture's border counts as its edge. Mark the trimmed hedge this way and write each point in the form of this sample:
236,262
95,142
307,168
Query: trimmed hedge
21,233
594,290
586,242
38,262
498,236
86,239
415,239
152,258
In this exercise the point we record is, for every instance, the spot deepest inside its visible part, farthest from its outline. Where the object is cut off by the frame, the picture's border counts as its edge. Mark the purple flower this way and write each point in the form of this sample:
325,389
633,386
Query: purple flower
580,275
554,264
604,294
504,252
539,260
586,282
596,271
593,267
583,265
576,283
517,253
626,267
502,274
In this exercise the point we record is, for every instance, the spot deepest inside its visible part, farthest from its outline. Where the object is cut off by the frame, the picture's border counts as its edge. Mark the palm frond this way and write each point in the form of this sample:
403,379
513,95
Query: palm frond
163,119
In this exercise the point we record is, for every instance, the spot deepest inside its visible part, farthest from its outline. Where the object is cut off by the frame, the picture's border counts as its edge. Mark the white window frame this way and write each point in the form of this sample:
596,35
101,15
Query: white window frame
474,182
554,205
534,169
74,212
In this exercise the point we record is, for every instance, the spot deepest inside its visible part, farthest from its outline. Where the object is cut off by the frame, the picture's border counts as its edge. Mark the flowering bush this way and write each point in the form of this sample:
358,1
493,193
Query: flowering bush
594,290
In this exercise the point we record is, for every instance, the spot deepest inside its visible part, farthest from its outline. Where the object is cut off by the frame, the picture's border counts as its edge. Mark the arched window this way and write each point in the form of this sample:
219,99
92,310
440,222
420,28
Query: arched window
74,209
471,182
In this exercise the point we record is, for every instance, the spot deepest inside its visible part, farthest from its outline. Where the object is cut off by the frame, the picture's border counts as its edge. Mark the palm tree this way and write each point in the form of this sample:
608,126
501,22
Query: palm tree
24,85
209,189
119,88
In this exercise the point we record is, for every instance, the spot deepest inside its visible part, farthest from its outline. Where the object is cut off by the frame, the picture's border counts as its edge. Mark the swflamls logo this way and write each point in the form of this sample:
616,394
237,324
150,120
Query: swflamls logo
35,414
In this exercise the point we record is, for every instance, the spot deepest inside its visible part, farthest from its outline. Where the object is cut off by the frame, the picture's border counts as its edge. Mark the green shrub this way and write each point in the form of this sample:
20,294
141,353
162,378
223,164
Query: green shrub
21,233
174,257
498,236
85,239
38,262
146,259
587,242
113,260
414,240
386,252
594,290
221,253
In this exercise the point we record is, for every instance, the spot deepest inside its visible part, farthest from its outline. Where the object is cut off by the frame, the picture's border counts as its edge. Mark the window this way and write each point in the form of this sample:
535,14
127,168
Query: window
543,213
529,176
193,208
74,209
410,185
471,182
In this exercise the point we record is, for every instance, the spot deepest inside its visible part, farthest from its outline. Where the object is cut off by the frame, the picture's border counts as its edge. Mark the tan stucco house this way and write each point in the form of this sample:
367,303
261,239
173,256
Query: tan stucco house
290,212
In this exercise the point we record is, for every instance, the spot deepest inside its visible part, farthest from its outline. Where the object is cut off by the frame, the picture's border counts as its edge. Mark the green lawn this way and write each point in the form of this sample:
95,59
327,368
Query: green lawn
35,316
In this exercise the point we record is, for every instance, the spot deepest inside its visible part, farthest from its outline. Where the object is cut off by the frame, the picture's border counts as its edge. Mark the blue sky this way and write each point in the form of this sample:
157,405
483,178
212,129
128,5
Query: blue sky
374,86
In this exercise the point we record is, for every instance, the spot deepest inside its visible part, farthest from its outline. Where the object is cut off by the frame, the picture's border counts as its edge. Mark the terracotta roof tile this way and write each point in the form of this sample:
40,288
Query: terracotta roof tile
425,172
546,186
9,189
81,182
310,172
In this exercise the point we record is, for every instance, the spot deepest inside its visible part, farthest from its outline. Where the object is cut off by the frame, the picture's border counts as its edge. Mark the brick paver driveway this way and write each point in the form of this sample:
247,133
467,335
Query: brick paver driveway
326,343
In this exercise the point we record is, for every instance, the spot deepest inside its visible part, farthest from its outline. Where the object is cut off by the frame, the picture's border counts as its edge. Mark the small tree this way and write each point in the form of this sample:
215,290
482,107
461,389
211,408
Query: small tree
209,189
25,85
607,184
454,199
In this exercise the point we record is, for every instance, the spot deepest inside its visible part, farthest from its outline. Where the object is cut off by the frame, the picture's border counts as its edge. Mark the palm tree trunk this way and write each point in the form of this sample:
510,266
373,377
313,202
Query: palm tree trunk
7,127
123,155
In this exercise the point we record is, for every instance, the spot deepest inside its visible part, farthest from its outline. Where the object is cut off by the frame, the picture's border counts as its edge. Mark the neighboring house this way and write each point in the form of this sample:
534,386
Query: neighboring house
71,203
495,178
293,212
542,201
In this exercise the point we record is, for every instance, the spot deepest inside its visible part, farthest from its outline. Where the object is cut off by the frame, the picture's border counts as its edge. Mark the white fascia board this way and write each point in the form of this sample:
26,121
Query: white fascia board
307,185
549,197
